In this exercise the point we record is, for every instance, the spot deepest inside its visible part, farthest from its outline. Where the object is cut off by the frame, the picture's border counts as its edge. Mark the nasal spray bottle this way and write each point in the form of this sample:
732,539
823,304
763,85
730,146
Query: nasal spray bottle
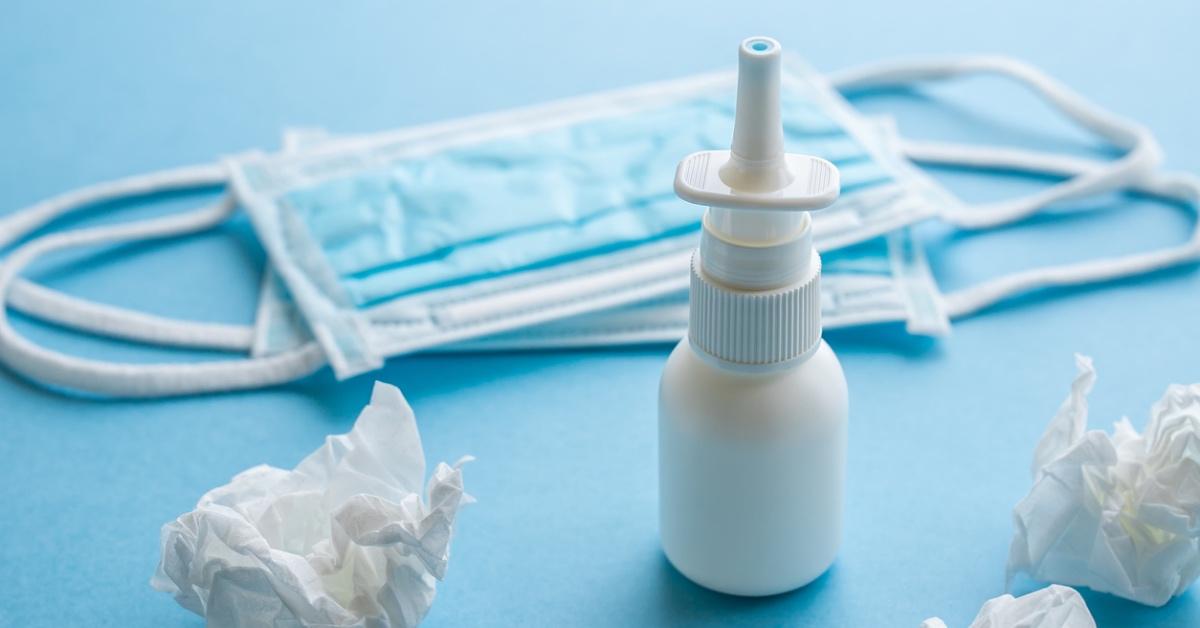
752,403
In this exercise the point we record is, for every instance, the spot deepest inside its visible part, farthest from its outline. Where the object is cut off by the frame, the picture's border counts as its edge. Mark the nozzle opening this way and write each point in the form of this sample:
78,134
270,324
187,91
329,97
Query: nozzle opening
760,45
757,162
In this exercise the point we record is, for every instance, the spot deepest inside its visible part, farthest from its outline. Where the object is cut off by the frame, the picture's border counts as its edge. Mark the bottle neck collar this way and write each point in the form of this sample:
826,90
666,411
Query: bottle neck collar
756,250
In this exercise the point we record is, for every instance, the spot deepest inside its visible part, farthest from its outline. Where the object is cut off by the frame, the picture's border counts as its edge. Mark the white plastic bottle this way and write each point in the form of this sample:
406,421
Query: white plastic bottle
753,404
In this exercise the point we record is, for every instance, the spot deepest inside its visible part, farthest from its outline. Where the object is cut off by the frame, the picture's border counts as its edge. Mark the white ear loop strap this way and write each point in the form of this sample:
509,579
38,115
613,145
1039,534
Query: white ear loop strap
1142,157
61,309
71,312
139,380
18,224
1181,187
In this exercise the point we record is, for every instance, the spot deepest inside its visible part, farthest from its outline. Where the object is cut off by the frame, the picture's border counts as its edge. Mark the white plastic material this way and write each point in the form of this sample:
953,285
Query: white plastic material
755,234
751,470
756,173
753,404
760,327
717,178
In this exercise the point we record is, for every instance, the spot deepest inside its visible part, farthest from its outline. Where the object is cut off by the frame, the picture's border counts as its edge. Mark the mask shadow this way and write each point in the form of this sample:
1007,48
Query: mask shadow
436,374
891,337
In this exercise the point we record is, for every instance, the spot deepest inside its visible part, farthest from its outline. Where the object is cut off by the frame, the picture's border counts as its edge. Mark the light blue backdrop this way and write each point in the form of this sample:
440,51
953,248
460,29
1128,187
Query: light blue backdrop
564,532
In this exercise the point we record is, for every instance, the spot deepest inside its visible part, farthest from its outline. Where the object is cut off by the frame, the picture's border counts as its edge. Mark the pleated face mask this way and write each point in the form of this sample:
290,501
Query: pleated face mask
391,244
492,228
884,279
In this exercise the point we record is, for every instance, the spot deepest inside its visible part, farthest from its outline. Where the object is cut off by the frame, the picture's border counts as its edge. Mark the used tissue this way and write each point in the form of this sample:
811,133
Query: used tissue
344,539
1053,607
1116,513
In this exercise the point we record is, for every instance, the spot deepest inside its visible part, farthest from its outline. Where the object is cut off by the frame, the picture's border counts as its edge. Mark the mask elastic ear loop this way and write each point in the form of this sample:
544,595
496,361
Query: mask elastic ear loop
17,225
1142,157
105,320
1180,187
98,319
139,380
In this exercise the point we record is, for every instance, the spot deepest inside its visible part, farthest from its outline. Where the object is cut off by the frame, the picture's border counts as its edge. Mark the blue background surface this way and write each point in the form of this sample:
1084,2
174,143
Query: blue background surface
564,532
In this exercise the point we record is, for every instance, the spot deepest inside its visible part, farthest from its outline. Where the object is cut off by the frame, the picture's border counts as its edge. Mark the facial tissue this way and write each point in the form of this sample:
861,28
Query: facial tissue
1116,513
1053,607
344,539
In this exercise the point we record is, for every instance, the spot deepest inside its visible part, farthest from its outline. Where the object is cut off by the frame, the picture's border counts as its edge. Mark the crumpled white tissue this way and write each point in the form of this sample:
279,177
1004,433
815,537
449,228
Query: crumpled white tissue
1052,607
344,539
1120,513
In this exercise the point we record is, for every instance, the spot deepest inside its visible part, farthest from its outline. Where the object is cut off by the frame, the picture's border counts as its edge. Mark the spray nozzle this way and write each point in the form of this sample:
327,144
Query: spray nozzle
756,173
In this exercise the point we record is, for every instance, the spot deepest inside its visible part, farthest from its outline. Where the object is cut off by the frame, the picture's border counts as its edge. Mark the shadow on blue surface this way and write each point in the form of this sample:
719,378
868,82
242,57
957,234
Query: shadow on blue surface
891,337
683,602
1110,610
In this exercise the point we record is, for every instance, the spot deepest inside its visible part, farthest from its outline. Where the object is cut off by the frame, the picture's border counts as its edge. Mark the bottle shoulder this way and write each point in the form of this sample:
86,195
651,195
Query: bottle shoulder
815,385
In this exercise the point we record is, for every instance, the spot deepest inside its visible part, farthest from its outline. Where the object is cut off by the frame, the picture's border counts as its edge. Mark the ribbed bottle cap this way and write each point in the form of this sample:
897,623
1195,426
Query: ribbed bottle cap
759,327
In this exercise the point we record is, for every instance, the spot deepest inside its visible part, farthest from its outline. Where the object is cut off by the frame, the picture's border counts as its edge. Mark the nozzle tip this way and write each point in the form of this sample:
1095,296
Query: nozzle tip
758,46
757,161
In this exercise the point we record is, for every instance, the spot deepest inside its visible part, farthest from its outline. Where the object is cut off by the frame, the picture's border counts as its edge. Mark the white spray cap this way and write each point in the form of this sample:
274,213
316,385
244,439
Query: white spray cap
755,173
755,295
757,233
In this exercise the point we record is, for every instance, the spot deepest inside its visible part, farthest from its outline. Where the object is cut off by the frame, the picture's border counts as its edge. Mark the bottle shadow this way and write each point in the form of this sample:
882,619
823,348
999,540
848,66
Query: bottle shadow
683,602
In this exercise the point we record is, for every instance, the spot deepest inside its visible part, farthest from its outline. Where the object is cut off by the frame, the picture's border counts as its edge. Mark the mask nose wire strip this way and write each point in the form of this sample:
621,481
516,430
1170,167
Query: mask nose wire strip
1179,187
1142,157
139,380
71,312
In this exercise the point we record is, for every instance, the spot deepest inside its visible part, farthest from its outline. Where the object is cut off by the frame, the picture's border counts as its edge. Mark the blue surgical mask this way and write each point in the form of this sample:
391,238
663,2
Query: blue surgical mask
427,237
391,244
882,280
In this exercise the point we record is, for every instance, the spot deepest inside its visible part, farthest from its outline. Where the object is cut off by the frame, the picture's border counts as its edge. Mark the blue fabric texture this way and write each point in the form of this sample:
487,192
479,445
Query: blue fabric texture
485,209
